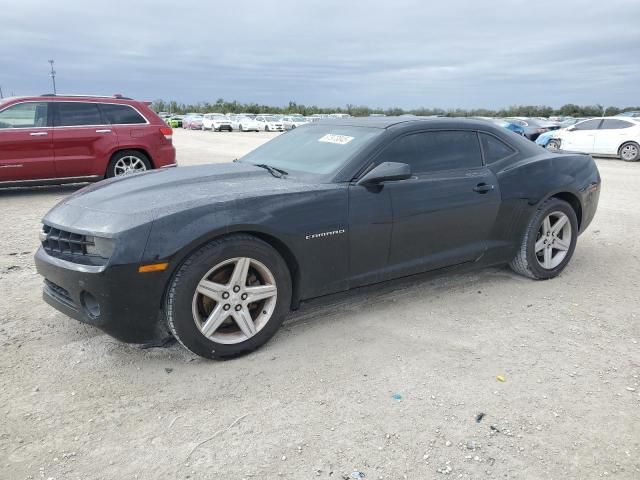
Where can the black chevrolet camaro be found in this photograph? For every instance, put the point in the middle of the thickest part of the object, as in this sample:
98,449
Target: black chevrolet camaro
218,255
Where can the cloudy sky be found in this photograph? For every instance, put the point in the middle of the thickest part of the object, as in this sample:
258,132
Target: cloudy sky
407,53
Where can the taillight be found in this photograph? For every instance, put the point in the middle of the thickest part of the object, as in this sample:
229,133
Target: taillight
167,132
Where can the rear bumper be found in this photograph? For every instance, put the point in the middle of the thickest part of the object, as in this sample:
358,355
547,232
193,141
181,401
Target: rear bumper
116,299
165,156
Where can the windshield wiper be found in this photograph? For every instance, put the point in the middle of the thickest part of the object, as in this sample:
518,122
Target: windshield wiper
276,172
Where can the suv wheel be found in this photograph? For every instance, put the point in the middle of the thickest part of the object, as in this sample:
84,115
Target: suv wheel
128,162
229,297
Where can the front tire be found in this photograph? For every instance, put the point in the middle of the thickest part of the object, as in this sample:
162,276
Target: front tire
553,145
630,152
548,242
229,297
127,162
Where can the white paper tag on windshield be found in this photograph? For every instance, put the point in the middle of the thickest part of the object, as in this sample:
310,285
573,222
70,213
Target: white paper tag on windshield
339,139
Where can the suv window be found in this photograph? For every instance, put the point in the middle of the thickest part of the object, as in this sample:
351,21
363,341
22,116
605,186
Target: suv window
434,151
494,149
121,114
74,114
614,124
24,115
588,125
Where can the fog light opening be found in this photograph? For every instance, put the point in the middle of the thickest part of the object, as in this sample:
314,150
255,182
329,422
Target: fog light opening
90,304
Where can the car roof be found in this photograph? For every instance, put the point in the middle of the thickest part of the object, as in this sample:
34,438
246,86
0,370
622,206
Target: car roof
69,97
388,122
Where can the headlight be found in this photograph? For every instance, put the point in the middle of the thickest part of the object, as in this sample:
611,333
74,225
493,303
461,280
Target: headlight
102,247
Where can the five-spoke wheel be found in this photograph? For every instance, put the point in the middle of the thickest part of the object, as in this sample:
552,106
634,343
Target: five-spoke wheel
548,242
229,297
234,300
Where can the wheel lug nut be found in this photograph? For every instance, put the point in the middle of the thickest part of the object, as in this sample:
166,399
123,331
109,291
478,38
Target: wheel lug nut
238,308
225,295
227,306
244,296
236,288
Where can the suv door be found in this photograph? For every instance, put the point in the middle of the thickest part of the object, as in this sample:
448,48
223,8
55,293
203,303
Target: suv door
26,147
444,214
83,140
611,134
581,137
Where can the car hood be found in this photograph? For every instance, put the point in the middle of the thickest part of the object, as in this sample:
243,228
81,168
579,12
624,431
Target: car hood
124,202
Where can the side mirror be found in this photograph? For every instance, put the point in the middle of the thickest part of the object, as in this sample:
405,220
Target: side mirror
386,172
571,128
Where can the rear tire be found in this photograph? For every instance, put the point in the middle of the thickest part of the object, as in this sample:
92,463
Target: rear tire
630,152
208,304
127,162
548,242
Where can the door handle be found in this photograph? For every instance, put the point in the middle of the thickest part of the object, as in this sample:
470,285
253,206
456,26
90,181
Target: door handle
39,134
106,130
483,188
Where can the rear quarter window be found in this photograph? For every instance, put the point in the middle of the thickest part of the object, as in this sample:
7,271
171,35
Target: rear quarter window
494,149
121,114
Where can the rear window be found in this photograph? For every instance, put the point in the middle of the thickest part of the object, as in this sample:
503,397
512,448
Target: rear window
74,114
121,114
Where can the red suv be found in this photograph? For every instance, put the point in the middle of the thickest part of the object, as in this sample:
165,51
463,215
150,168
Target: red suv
68,138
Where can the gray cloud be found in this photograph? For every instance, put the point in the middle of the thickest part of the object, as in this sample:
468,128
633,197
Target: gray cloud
408,53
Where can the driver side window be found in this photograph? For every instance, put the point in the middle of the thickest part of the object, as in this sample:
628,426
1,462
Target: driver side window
588,125
24,115
435,151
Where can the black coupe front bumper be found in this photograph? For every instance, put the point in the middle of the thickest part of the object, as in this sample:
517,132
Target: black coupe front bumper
117,299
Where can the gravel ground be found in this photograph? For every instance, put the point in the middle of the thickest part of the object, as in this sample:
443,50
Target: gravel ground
394,382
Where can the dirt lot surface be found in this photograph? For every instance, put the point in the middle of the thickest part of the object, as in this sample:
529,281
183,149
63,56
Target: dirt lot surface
394,382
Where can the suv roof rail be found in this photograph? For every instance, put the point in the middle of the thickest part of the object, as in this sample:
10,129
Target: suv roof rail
117,95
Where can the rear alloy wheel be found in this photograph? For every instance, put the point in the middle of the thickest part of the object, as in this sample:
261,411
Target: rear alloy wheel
229,297
553,145
630,152
549,242
128,162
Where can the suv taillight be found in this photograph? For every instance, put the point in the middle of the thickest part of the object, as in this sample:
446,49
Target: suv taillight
167,132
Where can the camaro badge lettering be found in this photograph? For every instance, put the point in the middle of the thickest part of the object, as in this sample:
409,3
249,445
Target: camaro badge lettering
324,234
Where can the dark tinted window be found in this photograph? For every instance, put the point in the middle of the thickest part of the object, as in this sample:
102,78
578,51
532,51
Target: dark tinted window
494,149
72,114
588,125
614,124
433,151
121,114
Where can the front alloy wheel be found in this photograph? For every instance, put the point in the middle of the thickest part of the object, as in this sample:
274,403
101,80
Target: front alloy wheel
229,297
234,300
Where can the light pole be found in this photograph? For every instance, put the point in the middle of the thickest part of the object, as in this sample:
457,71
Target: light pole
53,76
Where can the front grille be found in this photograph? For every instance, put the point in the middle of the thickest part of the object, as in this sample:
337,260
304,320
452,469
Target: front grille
55,240
59,293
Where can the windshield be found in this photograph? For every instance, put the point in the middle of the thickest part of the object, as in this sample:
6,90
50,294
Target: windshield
315,149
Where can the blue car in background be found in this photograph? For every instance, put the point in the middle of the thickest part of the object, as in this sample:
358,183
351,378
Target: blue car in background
509,126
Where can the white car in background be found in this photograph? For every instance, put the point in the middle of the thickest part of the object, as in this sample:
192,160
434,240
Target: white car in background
293,121
605,136
269,123
245,124
216,122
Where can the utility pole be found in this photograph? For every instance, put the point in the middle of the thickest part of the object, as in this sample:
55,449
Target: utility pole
53,76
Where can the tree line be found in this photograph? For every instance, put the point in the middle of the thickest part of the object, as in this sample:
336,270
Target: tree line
223,106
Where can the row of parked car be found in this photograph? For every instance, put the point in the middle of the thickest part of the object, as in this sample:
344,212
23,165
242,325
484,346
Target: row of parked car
244,122
616,136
